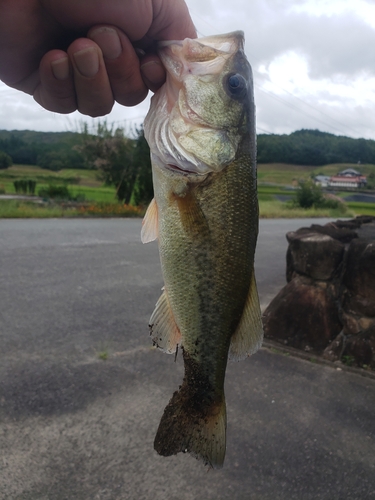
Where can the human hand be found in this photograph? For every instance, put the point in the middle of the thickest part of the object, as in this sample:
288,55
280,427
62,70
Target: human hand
75,54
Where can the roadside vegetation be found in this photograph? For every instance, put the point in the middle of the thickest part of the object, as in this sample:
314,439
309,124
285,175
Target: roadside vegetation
106,173
306,201
19,209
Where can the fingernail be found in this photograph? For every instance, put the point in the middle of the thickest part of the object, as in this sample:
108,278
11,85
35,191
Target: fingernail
153,71
60,68
87,61
109,41
140,52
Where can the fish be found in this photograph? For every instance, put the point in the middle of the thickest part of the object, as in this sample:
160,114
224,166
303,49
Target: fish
201,131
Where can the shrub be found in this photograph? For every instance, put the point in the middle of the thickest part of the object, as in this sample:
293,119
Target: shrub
55,192
310,195
31,185
25,186
20,186
5,160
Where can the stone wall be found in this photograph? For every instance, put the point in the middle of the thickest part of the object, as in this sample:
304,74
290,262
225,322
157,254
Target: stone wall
328,304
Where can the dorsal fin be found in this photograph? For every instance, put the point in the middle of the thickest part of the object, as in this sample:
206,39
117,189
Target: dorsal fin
248,337
150,224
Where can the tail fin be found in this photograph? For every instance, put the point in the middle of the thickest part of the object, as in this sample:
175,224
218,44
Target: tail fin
193,425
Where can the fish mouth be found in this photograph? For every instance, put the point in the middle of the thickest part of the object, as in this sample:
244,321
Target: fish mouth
168,163
182,171
192,56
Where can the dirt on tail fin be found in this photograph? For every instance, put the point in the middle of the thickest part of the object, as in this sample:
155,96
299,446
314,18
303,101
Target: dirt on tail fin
193,423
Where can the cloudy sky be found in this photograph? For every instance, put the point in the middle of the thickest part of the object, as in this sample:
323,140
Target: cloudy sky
313,64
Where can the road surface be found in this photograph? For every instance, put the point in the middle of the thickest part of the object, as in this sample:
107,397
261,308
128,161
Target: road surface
74,426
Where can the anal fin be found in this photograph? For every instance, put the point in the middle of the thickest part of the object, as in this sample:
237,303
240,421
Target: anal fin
248,337
163,329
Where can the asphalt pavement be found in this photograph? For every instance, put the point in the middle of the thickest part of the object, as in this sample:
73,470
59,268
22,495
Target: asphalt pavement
76,426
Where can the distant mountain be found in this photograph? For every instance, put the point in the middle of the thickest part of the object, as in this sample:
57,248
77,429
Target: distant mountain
31,136
312,147
37,148
303,147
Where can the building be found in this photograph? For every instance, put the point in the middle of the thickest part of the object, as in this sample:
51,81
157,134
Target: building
348,178
322,180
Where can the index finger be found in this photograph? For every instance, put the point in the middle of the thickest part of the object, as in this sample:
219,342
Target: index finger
122,64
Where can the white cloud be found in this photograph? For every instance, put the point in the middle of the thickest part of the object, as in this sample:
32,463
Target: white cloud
19,111
361,8
313,64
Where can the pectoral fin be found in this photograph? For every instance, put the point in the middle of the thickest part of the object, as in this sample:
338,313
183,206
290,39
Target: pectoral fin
150,224
248,337
163,329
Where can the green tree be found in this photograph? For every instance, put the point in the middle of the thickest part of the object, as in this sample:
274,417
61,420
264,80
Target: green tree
308,195
19,150
5,160
52,160
112,154
143,188
371,180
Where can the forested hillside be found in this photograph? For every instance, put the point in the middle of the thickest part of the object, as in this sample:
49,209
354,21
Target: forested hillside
52,150
312,147
56,150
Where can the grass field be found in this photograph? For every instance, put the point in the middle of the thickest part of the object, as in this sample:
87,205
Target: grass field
361,208
289,175
84,177
79,182
275,209
282,174
273,180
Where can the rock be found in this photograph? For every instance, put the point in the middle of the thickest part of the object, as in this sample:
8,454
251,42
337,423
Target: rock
328,303
350,324
366,323
365,219
314,255
334,350
346,224
359,278
343,234
367,231
302,315
360,349
340,233
289,265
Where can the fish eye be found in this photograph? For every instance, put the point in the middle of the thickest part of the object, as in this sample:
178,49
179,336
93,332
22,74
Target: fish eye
236,85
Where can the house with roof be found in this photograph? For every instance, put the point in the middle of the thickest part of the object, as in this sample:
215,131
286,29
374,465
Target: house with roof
322,180
348,178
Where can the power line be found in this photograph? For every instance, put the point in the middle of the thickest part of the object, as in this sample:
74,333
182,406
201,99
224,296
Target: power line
344,127
296,108
314,108
265,131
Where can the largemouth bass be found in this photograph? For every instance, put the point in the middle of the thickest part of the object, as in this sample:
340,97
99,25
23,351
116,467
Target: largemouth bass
201,132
